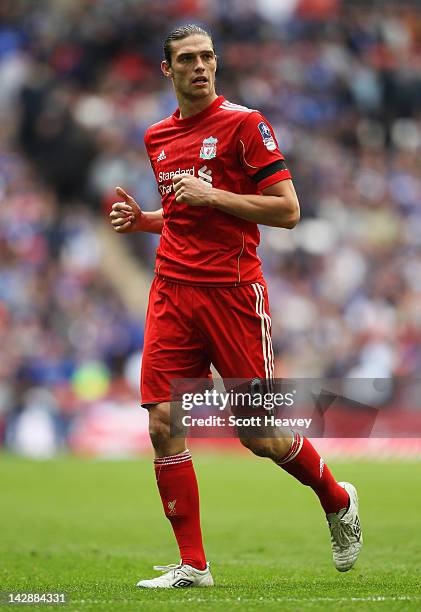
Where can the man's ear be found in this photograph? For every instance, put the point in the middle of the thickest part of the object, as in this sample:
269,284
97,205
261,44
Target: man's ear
166,69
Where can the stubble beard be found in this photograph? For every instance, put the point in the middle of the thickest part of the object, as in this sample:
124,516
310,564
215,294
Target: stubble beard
189,94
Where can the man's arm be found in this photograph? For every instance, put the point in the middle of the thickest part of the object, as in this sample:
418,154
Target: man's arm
278,205
127,216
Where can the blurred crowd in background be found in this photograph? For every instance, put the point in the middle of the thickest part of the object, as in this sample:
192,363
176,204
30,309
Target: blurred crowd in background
79,84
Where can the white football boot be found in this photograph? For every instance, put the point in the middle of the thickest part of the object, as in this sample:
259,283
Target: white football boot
345,531
178,577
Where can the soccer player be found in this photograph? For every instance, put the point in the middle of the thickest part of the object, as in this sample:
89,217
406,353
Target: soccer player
220,173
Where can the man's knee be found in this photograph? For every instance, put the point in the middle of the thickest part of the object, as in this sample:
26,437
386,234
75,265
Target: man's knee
159,425
159,434
166,438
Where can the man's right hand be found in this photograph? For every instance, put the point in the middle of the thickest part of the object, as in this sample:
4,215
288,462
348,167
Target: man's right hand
126,216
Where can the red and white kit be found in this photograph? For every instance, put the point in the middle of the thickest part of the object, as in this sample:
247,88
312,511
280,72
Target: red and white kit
208,302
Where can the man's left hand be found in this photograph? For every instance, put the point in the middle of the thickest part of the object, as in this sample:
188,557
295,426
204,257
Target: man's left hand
191,190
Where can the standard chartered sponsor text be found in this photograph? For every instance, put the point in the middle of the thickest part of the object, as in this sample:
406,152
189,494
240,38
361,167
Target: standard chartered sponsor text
167,176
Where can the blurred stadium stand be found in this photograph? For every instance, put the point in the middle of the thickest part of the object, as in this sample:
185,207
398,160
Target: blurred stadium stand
79,84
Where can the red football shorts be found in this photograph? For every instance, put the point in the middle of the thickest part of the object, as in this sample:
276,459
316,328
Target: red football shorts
190,327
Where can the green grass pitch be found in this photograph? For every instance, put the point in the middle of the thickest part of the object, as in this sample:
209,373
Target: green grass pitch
93,528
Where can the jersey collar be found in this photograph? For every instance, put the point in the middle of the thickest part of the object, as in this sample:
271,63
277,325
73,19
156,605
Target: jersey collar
199,116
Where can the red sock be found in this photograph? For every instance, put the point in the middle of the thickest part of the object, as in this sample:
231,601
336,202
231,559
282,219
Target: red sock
177,486
304,463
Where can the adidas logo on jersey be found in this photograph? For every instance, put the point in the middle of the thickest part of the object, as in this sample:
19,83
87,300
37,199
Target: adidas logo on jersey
161,156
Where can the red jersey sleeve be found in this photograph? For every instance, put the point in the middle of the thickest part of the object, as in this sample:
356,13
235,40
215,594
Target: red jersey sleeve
146,140
259,152
148,151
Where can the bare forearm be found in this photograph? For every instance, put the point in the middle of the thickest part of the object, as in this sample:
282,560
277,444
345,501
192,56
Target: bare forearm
151,222
271,210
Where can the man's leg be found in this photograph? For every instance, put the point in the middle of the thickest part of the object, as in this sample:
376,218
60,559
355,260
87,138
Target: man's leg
297,456
177,486
237,322
173,350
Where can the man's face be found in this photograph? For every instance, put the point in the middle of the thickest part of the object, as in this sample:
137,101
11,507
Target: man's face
193,66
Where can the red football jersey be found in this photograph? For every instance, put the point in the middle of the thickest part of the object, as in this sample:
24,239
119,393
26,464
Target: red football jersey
232,148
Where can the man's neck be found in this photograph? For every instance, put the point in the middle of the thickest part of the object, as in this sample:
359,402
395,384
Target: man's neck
189,107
